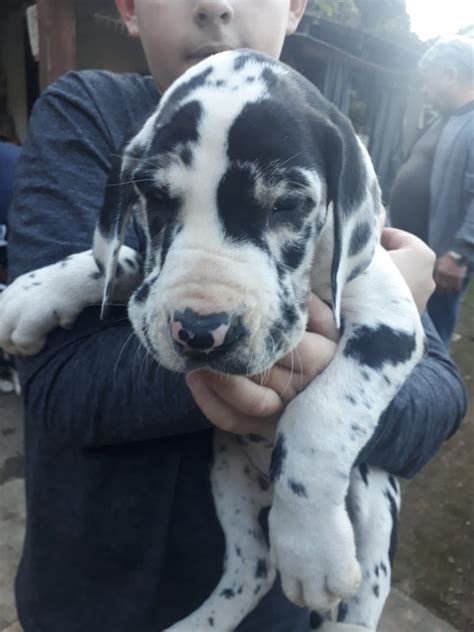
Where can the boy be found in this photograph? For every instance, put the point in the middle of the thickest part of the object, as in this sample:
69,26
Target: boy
121,532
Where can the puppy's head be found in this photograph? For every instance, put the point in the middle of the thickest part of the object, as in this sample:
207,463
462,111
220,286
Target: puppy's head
234,181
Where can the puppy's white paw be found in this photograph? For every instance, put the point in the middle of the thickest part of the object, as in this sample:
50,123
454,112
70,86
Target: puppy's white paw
315,553
39,301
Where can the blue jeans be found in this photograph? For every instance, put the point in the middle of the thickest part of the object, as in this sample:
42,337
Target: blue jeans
443,310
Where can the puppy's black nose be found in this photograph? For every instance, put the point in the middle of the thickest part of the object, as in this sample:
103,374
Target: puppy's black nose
200,332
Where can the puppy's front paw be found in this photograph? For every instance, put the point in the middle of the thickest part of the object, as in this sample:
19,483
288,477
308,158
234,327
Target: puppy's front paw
39,301
314,551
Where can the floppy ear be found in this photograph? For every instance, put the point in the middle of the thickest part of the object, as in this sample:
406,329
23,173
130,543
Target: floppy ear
354,193
119,200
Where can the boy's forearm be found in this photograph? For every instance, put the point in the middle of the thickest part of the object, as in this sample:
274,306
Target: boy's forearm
427,410
95,385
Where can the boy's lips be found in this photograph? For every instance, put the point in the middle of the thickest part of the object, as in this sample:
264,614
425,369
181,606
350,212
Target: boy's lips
209,49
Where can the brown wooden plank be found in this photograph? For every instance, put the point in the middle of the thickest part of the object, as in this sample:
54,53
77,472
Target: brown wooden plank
57,39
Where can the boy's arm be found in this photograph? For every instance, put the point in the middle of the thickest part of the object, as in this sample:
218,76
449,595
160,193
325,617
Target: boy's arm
427,410
93,384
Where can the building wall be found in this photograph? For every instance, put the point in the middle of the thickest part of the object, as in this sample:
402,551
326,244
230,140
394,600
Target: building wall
12,59
105,44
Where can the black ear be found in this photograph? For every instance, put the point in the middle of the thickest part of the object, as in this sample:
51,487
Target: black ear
119,199
354,194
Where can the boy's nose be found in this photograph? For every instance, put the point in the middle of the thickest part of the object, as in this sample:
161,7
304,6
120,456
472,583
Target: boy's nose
211,11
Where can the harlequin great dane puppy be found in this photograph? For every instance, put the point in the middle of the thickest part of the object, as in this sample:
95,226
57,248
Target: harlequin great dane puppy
250,190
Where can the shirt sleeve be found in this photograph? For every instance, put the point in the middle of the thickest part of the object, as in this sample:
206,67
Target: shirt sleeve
93,384
427,410
464,239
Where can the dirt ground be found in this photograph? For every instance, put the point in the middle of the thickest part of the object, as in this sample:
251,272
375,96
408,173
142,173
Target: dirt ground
435,558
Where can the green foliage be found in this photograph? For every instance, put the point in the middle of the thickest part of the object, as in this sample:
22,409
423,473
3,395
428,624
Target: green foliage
339,10
381,17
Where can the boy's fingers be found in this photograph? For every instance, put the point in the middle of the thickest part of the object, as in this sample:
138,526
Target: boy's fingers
321,319
396,239
310,357
227,400
292,374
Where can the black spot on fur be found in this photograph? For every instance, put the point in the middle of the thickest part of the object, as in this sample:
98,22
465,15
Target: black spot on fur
394,532
290,315
356,271
263,483
270,78
249,139
360,238
376,590
342,612
96,275
374,347
364,472
376,570
228,593
181,92
293,253
142,293
393,483
278,457
239,211
315,620
243,59
186,155
166,242
238,550
384,568
350,399
211,622
182,128
261,570
297,488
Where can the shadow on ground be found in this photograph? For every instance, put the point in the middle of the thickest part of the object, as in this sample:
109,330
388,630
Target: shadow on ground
434,563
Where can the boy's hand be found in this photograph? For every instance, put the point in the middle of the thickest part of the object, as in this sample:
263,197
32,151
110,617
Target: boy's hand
250,405
415,260
449,275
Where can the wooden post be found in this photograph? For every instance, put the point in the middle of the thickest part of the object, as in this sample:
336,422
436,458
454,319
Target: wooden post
57,39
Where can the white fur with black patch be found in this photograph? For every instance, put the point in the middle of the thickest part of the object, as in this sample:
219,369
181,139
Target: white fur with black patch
242,127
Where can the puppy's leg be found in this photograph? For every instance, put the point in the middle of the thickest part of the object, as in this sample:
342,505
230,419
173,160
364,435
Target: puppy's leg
240,493
374,505
55,295
323,430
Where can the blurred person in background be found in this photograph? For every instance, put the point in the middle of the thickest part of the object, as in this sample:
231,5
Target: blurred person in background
433,195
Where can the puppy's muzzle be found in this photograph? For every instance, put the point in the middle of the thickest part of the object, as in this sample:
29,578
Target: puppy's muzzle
195,334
